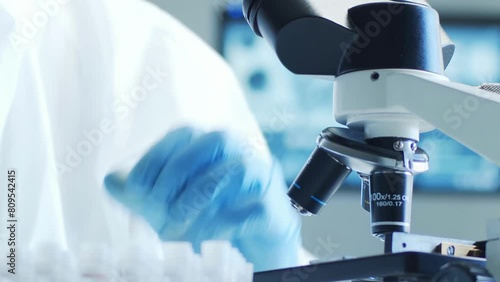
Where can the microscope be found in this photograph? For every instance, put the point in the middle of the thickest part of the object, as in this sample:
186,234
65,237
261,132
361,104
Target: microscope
387,60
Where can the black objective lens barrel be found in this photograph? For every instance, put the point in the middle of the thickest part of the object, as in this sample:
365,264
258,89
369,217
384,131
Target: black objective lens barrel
316,183
390,203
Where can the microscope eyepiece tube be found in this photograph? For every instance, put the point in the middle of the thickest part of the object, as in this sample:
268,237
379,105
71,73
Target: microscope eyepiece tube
390,202
316,183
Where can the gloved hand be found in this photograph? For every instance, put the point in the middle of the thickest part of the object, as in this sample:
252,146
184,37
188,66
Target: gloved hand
213,187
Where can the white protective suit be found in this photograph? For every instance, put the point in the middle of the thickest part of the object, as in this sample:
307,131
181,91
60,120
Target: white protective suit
87,86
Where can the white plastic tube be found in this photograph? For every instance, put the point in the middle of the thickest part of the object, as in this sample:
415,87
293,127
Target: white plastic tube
217,260
53,264
180,262
140,264
97,263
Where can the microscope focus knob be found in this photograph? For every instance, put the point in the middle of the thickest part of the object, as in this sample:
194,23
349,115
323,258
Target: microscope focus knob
461,272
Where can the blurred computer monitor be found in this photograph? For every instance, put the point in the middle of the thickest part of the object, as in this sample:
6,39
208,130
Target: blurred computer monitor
292,109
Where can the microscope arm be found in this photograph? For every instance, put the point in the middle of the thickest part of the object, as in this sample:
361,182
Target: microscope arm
467,114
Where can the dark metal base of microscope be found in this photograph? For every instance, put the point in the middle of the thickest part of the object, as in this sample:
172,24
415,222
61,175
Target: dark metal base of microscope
411,266
408,257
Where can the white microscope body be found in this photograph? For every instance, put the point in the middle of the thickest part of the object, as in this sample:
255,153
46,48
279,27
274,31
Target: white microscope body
405,103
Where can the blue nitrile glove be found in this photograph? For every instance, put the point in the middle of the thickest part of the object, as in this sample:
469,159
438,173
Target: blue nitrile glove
214,187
